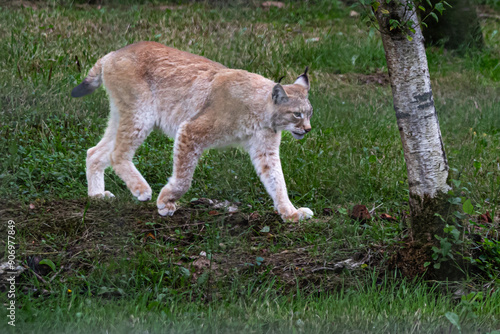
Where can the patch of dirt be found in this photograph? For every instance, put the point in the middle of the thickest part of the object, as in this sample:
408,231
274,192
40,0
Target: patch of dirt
77,234
24,4
378,78
100,228
409,260
297,266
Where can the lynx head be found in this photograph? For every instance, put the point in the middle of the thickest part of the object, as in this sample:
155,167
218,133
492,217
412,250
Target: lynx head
292,109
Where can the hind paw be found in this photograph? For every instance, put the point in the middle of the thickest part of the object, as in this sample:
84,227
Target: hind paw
304,214
106,194
166,209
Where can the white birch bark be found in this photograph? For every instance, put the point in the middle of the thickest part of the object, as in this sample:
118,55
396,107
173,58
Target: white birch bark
418,124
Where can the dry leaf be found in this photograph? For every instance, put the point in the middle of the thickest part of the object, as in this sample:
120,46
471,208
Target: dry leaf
385,216
485,218
254,216
360,212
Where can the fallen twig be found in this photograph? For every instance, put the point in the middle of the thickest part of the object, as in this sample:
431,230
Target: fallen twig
40,278
324,269
62,267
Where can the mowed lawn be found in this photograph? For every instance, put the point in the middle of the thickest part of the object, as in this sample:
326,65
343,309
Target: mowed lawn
117,267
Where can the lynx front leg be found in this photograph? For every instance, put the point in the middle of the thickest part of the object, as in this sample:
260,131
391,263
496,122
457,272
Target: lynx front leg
264,152
187,151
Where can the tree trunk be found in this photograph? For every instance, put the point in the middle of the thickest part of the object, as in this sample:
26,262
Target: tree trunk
426,162
457,29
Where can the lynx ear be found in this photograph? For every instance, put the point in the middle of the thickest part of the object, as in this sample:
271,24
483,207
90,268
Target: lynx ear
279,94
303,80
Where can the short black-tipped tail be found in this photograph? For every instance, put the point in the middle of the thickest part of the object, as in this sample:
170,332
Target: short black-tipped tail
91,82
85,88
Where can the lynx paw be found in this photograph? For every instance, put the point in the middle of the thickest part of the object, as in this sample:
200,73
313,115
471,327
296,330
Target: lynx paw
142,192
304,213
106,194
166,209
299,215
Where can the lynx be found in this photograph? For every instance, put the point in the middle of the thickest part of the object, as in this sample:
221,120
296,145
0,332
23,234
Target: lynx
201,104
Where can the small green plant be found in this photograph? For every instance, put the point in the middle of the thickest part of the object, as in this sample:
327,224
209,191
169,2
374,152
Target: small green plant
447,243
489,257
452,236
480,250
407,26
466,310
48,263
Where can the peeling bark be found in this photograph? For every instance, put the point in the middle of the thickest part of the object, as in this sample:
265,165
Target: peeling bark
426,162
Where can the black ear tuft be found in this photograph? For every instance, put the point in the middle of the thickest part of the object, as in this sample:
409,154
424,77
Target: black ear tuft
279,80
279,95
303,80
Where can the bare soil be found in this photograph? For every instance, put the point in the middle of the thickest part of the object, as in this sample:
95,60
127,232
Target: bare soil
82,233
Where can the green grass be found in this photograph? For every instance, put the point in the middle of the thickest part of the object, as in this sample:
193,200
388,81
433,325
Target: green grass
124,281
378,308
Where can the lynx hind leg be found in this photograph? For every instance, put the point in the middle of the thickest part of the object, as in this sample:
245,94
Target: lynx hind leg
98,159
130,135
187,151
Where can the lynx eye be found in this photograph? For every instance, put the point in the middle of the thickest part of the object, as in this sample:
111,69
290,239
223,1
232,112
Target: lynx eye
297,114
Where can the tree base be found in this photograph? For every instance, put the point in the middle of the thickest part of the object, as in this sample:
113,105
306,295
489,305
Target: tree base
411,258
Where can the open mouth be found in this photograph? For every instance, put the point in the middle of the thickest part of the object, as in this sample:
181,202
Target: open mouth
297,135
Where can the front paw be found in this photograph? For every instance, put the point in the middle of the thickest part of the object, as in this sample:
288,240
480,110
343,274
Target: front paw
299,215
166,208
304,214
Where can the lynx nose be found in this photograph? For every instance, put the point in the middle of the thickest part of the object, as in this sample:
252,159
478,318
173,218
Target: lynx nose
307,129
